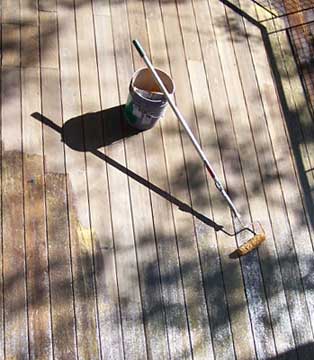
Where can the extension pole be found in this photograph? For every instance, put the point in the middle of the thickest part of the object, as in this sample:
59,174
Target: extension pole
187,129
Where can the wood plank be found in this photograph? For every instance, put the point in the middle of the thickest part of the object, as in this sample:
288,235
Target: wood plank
99,200
60,267
29,34
35,224
129,284
101,8
148,261
47,5
178,331
29,46
254,183
219,316
2,331
178,162
59,252
38,295
29,13
283,334
171,281
211,262
191,84
10,12
10,45
109,307
48,40
80,230
14,272
294,291
227,150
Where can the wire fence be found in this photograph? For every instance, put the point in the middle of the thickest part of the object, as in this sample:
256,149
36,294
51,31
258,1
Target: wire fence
285,7
302,43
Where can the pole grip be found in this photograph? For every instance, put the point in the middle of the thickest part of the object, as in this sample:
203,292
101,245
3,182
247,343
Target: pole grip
139,48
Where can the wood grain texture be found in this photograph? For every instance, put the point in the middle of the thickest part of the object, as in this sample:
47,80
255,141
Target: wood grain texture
296,297
210,243
2,331
109,305
274,283
129,283
120,243
60,267
14,267
35,224
48,40
29,46
99,198
47,5
10,45
240,320
179,165
171,279
236,66
80,230
10,12
148,262
29,13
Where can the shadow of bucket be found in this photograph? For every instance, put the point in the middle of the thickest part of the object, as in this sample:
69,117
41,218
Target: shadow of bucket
146,103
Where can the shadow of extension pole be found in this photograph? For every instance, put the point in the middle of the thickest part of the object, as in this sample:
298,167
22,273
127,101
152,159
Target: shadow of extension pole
72,135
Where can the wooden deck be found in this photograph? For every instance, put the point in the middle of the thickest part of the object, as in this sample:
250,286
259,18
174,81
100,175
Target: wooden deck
111,245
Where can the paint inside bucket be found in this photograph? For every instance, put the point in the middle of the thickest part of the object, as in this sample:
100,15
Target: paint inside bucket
146,103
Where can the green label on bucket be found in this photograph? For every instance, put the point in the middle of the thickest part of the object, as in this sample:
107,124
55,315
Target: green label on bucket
129,112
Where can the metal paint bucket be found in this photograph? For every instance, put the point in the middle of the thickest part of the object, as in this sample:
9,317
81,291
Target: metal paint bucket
145,103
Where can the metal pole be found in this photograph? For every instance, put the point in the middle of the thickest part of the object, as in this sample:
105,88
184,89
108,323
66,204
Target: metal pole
186,127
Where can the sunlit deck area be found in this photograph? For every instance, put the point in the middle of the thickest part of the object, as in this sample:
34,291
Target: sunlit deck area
115,243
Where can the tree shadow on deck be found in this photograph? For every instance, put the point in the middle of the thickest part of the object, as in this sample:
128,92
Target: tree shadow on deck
212,279
83,134
300,134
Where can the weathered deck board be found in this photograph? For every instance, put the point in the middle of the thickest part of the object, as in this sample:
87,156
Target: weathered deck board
47,5
48,40
111,239
272,277
89,94
171,280
301,235
206,105
13,246
11,45
38,295
80,231
240,320
38,292
179,170
284,250
10,12
107,286
134,337
2,331
240,77
147,255
60,267
300,247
